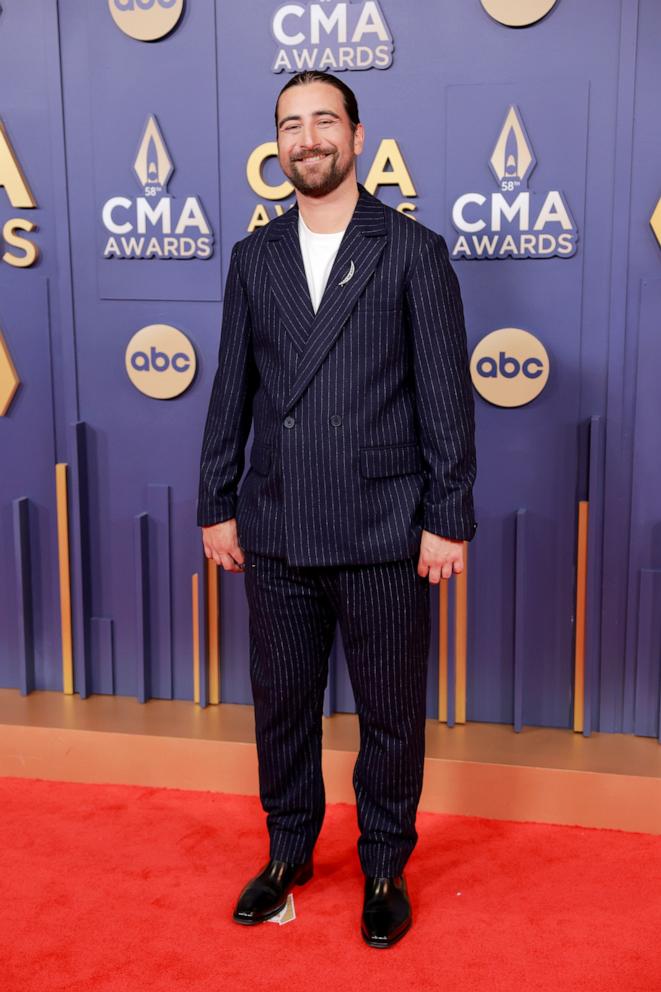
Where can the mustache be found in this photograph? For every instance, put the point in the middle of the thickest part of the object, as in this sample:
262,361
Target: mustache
312,154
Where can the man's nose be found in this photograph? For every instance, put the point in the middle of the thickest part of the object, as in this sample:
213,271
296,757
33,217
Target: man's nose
309,138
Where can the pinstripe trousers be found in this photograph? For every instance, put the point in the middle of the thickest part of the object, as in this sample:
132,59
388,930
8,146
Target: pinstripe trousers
383,610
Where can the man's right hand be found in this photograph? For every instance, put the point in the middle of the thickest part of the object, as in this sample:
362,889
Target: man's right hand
221,543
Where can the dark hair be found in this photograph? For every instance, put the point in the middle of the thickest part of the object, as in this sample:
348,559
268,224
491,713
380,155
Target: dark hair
317,76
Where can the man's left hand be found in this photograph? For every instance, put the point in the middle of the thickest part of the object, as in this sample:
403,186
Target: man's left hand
439,557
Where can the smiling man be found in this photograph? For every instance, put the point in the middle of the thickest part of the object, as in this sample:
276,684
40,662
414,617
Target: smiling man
343,342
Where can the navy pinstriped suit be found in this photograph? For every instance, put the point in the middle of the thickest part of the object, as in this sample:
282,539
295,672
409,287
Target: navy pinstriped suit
363,435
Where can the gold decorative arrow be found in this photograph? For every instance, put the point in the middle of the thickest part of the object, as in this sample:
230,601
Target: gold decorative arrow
8,377
655,221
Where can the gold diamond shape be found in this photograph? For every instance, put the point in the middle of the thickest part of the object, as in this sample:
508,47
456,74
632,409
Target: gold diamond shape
8,377
655,221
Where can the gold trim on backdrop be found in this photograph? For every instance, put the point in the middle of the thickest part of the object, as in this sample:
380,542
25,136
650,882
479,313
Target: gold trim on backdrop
15,181
213,609
9,380
196,638
460,639
64,569
581,597
443,651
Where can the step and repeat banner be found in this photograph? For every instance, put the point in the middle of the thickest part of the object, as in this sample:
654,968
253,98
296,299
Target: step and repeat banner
137,145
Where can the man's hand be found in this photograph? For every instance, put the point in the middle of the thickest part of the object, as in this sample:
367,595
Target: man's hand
222,544
439,557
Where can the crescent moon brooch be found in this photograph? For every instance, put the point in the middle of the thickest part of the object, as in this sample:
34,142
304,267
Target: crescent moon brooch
348,276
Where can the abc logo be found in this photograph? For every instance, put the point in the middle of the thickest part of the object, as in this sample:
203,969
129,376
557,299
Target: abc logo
142,4
160,361
509,367
518,14
146,20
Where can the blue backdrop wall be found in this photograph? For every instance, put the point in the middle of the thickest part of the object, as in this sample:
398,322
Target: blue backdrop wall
137,145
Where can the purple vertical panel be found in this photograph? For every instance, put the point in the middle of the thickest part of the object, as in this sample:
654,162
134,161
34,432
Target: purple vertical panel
142,654
160,595
35,319
527,455
593,576
648,656
174,79
520,604
490,676
27,467
102,676
24,610
82,568
203,594
234,647
111,84
645,546
630,516
584,432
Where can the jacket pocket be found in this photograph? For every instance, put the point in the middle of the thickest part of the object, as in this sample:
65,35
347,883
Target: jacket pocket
260,457
391,459
375,307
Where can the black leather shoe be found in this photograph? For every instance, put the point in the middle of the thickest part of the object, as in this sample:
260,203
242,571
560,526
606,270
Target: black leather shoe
386,911
266,894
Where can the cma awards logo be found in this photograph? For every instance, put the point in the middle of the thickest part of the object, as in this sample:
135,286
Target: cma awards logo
152,226
513,222
146,20
15,249
331,36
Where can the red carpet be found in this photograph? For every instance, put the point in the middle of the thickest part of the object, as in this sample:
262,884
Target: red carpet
124,889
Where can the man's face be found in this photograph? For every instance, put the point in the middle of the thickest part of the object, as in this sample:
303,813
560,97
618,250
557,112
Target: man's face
316,147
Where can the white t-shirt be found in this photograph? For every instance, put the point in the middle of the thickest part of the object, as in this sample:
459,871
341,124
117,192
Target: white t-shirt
319,251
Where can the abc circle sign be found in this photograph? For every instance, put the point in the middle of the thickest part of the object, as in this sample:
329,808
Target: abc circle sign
160,361
509,367
146,20
518,13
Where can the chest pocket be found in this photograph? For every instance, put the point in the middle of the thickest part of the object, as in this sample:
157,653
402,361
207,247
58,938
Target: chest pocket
379,296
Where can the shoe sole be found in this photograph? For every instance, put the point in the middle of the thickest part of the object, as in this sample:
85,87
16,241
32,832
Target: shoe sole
385,943
245,921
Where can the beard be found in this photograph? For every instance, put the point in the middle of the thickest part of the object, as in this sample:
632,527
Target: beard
320,180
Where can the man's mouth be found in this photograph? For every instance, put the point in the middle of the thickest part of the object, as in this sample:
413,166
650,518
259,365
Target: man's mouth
314,158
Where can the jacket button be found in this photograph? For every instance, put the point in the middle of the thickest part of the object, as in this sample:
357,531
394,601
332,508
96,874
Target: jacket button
289,421
336,420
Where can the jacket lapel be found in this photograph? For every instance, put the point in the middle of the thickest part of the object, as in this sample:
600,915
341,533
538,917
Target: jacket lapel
288,280
313,335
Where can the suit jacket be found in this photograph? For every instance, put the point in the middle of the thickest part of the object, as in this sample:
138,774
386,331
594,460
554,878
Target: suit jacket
363,413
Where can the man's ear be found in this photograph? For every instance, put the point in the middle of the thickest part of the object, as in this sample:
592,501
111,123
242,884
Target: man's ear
358,139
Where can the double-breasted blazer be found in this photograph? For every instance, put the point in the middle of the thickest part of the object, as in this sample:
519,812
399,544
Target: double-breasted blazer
362,414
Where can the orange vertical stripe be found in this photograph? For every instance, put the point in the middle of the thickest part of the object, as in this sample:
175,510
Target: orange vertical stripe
461,638
64,568
443,651
581,598
213,607
196,639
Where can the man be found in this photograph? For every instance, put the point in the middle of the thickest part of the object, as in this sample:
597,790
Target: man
343,340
